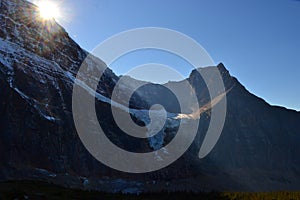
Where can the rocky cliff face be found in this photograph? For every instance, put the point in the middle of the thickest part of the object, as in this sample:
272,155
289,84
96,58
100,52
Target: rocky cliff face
258,148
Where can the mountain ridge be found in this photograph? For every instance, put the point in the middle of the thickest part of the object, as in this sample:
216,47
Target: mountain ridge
257,150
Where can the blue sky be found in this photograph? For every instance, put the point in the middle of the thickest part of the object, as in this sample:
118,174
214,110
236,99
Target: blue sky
258,41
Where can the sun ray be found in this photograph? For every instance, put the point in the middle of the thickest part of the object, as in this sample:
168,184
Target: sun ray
48,10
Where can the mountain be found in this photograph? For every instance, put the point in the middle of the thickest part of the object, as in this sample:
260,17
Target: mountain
257,151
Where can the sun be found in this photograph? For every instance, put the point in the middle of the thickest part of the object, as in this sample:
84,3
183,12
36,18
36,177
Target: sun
48,10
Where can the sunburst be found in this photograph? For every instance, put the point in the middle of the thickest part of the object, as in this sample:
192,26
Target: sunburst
48,10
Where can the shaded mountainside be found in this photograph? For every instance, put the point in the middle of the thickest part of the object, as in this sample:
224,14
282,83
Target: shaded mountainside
258,149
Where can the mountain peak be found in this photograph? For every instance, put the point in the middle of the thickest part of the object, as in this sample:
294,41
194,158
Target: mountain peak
228,80
21,24
222,68
257,150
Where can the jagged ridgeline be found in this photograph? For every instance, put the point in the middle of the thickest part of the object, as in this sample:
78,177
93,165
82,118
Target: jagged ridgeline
257,151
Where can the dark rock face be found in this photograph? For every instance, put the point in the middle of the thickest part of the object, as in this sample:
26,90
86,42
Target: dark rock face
258,148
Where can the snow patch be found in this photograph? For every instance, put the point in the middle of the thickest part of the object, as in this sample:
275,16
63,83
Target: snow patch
45,172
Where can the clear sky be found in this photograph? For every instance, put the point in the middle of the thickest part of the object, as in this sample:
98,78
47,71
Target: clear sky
258,41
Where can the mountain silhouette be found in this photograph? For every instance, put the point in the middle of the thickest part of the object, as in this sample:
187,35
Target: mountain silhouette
258,149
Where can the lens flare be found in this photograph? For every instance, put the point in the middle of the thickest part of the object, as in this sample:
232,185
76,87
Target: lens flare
48,10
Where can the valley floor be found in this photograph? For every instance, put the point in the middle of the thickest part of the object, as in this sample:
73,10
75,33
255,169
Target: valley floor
41,190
